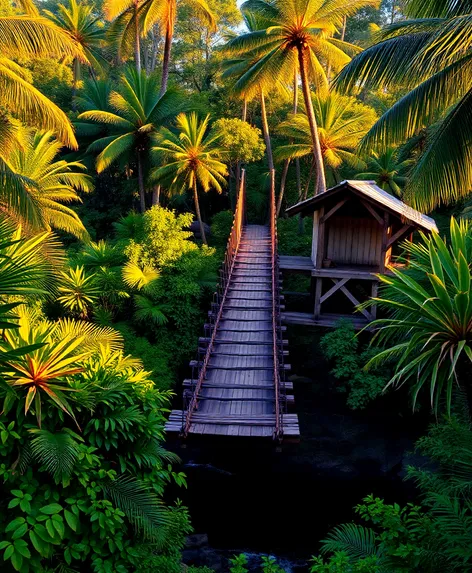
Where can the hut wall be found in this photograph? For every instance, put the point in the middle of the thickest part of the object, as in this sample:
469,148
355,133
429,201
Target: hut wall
354,240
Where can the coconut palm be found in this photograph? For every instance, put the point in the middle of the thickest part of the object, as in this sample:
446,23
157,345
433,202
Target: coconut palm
387,170
238,66
428,334
86,29
137,112
298,32
342,122
44,185
429,53
30,36
193,159
135,18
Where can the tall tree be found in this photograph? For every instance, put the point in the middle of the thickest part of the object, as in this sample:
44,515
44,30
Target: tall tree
136,18
431,54
79,20
192,160
298,32
342,122
138,111
164,13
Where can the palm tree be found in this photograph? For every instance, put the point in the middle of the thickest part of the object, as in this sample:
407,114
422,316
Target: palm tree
429,332
430,54
138,111
387,170
44,184
299,32
31,36
87,30
238,66
342,122
194,159
135,18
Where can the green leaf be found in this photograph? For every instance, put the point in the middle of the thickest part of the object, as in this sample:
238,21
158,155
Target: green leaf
14,502
51,509
72,520
59,527
50,528
8,552
17,561
38,544
20,531
22,550
42,533
15,524
4,544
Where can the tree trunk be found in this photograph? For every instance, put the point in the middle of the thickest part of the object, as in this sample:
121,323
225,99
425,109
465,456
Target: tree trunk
265,131
317,155
283,181
238,164
137,39
244,114
142,201
287,161
156,195
197,210
166,61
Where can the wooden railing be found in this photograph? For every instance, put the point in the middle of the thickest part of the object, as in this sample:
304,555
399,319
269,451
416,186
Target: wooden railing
219,297
277,342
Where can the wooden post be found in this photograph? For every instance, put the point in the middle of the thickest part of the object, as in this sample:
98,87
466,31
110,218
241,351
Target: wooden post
318,290
314,240
383,252
320,251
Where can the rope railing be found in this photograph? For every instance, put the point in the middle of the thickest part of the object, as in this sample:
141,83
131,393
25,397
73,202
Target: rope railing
277,342
219,299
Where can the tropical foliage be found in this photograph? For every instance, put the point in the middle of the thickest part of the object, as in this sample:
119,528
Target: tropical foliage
428,331
428,53
83,470
43,183
136,112
192,160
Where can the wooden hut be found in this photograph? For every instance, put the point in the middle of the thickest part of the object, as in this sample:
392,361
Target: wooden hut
356,230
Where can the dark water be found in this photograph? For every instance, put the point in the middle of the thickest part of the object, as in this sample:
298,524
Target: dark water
248,497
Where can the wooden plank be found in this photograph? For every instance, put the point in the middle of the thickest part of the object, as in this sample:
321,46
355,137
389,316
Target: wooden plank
318,290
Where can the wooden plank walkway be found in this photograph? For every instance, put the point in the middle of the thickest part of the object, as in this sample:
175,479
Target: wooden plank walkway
237,396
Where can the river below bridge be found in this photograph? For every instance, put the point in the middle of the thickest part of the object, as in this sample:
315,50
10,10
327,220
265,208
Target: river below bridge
245,496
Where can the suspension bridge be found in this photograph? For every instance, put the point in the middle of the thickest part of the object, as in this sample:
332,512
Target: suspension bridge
238,385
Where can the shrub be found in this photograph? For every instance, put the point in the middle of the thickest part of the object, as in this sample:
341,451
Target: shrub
221,227
158,237
343,348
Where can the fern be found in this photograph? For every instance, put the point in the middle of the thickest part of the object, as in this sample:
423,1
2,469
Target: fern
143,508
58,452
355,540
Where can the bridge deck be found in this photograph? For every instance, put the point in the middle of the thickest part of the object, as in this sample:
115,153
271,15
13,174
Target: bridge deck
237,397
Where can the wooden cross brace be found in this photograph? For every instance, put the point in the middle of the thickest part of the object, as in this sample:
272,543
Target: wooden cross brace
340,284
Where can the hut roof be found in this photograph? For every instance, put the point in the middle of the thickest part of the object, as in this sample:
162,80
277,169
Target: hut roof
370,191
